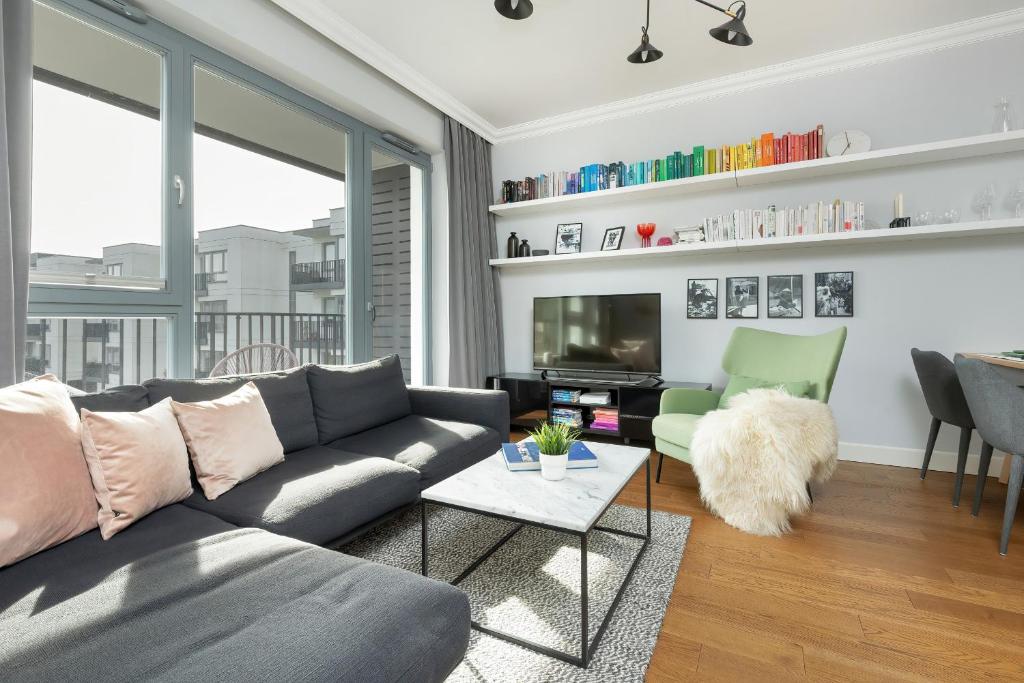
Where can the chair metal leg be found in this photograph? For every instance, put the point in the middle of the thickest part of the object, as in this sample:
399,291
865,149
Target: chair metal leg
661,459
1012,496
979,486
933,434
961,464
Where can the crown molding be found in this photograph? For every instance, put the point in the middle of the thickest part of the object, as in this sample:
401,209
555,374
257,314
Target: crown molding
331,25
328,23
908,45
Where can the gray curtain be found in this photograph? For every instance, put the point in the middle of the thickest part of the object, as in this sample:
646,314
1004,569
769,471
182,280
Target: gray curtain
475,343
15,182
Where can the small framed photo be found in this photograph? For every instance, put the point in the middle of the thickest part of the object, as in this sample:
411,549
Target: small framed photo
702,299
785,296
613,238
741,297
568,238
833,294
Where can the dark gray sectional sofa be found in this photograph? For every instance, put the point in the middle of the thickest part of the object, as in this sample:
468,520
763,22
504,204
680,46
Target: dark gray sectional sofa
238,588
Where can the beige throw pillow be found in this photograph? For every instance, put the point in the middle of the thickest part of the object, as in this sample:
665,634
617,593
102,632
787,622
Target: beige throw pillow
230,438
46,496
138,463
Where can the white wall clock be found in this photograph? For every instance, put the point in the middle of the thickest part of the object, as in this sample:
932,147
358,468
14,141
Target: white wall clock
848,142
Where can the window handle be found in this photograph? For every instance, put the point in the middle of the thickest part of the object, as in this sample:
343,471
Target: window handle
372,310
179,185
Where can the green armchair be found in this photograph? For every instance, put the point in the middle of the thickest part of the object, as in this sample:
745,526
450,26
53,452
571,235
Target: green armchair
804,366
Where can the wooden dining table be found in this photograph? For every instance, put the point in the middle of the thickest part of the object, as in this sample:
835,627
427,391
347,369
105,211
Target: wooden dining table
1006,362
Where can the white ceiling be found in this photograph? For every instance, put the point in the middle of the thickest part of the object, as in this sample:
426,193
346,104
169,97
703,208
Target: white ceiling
570,54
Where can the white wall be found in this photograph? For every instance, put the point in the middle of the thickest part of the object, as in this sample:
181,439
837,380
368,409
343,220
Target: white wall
948,295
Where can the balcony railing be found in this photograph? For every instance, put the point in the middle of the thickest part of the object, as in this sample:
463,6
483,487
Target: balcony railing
312,337
318,274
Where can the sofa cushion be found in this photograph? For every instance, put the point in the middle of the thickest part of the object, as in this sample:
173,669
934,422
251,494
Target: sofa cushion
677,428
316,495
739,384
184,596
137,461
349,399
437,449
46,494
130,398
285,394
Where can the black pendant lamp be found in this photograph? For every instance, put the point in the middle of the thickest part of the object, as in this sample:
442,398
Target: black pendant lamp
646,52
514,9
733,32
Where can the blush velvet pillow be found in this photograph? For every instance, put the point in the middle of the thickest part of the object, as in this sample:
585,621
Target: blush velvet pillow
230,438
138,463
46,496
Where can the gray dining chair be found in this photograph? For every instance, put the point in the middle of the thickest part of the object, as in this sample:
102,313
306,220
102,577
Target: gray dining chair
997,403
945,399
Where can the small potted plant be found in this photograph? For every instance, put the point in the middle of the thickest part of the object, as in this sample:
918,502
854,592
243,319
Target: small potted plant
553,442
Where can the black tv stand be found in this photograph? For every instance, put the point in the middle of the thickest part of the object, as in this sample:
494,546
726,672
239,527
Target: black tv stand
637,402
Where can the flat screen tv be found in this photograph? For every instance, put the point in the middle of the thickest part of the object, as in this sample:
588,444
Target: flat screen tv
617,333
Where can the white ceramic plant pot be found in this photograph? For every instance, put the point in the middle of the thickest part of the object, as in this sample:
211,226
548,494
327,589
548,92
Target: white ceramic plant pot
552,467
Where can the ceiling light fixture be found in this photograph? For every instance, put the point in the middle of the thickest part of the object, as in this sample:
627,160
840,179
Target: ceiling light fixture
732,32
514,9
646,52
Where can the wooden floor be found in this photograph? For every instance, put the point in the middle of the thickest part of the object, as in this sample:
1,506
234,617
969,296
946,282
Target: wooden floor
883,580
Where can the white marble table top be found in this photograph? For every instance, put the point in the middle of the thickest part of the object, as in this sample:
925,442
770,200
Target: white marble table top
574,503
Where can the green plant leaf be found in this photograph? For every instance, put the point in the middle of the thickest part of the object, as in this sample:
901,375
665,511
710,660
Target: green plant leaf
554,439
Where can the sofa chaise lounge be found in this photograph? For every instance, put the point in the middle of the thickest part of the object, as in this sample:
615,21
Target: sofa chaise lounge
238,588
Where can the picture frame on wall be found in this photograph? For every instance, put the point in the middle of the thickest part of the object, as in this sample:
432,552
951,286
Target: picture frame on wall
569,238
741,297
702,299
613,238
833,294
785,296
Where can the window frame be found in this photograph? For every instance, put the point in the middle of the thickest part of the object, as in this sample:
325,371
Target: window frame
176,302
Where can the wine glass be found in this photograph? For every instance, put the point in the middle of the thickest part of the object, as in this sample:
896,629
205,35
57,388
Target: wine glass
982,202
924,218
1015,200
1002,122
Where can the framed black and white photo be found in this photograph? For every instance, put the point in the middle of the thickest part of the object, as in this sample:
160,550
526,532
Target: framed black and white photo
568,238
833,294
785,296
741,297
613,238
702,299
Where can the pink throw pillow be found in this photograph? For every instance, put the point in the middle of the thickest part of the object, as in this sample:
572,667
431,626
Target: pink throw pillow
138,462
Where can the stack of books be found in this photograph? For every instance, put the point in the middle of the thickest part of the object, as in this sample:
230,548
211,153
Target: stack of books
690,235
768,149
525,456
606,418
567,416
596,398
566,395
807,219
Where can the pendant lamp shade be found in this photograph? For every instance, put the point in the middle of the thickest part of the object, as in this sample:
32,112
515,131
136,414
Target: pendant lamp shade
646,53
514,9
733,32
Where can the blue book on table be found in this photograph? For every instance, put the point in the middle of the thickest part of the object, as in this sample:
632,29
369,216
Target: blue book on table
525,456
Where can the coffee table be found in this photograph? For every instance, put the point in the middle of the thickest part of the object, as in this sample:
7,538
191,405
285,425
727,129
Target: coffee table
572,506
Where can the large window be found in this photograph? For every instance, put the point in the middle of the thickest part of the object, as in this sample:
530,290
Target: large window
194,206
97,155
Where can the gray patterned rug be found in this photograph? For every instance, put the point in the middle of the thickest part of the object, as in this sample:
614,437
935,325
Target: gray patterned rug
531,588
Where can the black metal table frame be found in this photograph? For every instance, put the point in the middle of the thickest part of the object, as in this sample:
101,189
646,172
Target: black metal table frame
586,648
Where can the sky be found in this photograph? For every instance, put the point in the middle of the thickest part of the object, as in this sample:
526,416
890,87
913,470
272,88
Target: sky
96,180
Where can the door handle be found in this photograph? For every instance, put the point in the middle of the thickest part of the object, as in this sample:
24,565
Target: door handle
179,185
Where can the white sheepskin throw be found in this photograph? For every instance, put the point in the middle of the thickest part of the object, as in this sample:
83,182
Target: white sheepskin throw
753,459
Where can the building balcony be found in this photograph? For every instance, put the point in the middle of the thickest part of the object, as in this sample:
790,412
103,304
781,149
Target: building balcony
317,275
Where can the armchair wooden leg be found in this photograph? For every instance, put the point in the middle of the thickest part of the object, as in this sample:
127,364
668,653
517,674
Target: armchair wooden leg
1012,496
933,433
661,459
809,494
979,486
961,464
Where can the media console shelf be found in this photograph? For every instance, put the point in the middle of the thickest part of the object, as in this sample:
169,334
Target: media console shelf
530,402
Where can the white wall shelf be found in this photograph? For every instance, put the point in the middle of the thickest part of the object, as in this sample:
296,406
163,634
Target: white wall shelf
892,157
1009,226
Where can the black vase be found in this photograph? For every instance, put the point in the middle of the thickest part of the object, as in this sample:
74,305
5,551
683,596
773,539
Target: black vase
513,246
524,248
